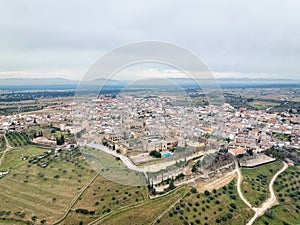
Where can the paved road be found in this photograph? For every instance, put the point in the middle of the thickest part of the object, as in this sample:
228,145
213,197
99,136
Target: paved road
272,200
128,163
149,168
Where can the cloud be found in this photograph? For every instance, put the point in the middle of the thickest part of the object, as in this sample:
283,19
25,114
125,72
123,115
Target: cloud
240,37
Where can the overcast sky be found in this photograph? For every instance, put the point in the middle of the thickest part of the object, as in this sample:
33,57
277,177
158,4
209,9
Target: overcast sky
234,38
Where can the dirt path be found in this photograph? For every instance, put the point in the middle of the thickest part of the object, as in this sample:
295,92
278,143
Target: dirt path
74,201
272,200
8,147
217,183
168,209
239,189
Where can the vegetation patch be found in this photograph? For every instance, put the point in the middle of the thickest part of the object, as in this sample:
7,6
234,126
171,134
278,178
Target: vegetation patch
103,197
287,188
145,213
13,157
17,139
222,206
256,181
2,144
263,104
41,195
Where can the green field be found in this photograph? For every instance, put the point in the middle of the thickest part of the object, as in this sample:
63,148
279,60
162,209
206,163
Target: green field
48,131
113,203
12,156
263,104
287,187
111,168
221,206
32,193
256,180
42,195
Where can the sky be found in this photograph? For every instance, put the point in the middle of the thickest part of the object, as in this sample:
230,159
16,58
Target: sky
250,38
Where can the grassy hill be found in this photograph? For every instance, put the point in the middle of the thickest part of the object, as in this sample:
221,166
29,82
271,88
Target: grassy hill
221,206
287,188
256,181
41,195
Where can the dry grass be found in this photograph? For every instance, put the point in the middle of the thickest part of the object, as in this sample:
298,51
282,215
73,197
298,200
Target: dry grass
145,213
199,208
216,183
23,190
103,195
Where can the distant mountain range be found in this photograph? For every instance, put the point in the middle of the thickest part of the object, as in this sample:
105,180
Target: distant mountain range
55,81
43,83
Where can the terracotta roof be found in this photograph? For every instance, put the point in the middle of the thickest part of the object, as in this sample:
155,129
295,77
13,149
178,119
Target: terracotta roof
238,151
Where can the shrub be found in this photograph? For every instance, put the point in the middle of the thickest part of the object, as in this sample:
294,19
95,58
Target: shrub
232,205
194,190
155,154
224,218
269,213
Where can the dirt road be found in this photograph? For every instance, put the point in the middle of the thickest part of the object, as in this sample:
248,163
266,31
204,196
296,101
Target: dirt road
271,201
